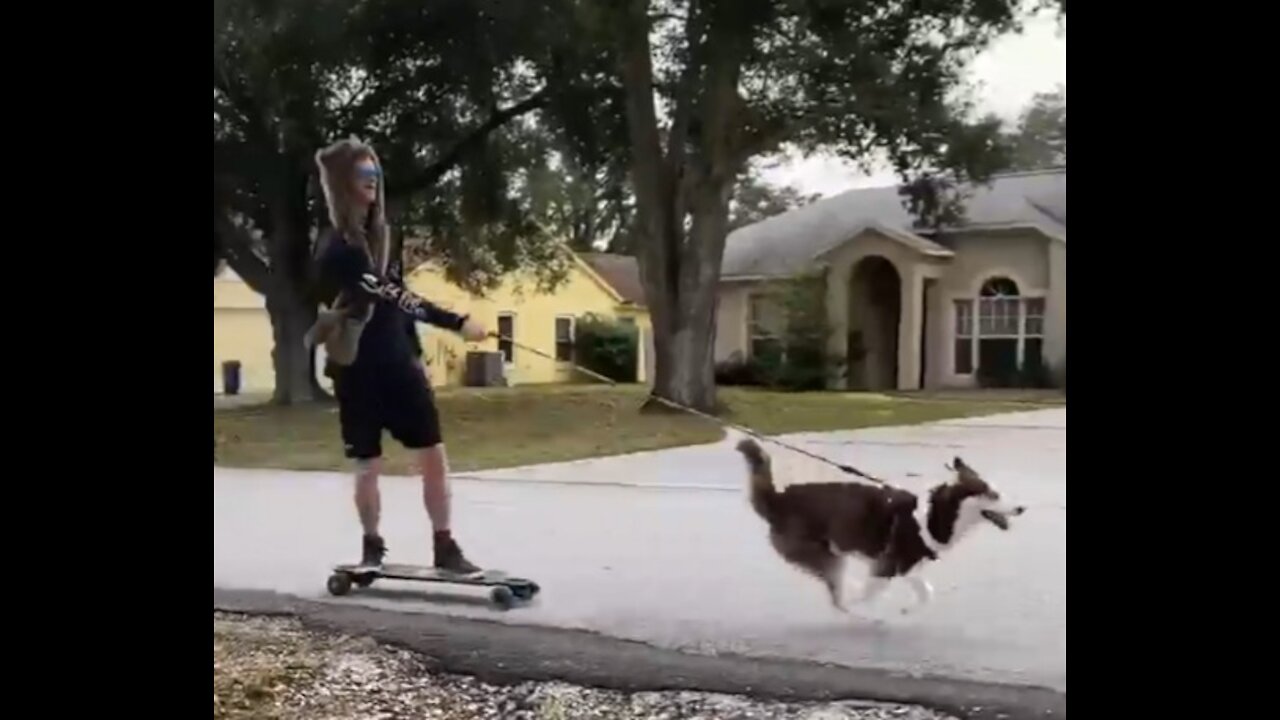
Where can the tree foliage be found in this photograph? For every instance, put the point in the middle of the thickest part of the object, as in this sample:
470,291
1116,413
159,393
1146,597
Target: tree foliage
1040,139
755,199
435,87
588,206
439,89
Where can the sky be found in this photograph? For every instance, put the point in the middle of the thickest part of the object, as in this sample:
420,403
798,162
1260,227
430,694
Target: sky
1008,74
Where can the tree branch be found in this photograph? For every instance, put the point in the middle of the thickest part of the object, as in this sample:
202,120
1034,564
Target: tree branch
376,101
761,140
651,182
695,26
431,174
237,247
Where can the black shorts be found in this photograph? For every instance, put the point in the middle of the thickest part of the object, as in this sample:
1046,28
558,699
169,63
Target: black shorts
397,400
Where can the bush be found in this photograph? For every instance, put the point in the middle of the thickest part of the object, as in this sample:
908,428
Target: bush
607,347
992,377
798,360
1032,374
1035,374
770,371
805,369
739,372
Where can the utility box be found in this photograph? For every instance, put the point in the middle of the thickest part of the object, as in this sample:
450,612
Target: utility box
484,369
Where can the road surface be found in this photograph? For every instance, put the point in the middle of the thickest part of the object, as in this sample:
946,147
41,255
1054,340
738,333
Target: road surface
662,548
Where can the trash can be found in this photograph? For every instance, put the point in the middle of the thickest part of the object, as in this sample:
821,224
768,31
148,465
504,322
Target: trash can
231,377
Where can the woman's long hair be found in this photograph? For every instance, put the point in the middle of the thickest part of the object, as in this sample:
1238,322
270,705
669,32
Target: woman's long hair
337,165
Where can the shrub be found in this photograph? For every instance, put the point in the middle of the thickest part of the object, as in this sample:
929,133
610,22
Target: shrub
607,347
798,360
1035,373
805,364
739,372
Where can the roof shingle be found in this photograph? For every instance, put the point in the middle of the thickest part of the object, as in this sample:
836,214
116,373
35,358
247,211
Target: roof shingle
622,272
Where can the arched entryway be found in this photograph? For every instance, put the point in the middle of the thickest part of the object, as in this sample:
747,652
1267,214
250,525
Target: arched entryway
875,312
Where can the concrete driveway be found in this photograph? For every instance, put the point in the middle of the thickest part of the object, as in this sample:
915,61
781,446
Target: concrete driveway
662,548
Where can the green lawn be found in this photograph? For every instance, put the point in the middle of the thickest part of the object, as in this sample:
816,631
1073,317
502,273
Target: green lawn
519,426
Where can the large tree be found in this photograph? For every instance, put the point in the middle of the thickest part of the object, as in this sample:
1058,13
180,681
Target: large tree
755,199
592,209
589,207
710,84
1040,139
434,86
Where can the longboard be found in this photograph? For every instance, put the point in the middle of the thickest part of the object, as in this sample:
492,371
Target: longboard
506,589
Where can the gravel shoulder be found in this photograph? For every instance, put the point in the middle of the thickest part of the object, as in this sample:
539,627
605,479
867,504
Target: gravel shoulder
293,653
268,668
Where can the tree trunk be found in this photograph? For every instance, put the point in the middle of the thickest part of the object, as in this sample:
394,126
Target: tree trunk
292,314
291,306
679,261
685,337
685,360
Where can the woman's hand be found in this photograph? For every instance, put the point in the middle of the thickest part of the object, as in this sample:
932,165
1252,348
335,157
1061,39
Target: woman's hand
473,331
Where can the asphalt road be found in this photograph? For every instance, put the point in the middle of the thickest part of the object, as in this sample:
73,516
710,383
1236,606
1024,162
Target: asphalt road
661,548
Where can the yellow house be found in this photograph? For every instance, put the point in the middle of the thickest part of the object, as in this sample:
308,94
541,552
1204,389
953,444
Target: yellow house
601,284
241,332
544,322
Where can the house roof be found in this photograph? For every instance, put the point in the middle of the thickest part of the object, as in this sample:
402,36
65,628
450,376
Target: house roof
792,242
621,272
912,241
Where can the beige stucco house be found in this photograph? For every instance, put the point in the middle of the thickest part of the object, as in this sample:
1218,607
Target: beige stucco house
911,309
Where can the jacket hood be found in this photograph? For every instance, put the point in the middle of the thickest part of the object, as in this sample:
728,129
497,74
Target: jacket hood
337,164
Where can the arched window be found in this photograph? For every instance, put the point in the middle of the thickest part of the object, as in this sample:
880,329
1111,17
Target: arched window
998,308
999,287
1003,335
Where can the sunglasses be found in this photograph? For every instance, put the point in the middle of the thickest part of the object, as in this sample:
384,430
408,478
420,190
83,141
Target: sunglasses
368,172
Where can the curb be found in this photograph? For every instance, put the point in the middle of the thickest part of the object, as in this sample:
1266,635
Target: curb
501,653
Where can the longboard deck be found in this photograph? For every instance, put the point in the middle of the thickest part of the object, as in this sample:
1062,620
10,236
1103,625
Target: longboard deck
429,574
506,589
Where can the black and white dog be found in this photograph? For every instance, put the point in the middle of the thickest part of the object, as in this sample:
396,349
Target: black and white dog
817,526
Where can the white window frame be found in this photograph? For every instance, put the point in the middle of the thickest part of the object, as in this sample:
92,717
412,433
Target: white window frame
512,336
1022,333
555,336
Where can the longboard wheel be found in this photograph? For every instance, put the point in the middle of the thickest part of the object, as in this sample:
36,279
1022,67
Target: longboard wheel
502,597
525,592
339,584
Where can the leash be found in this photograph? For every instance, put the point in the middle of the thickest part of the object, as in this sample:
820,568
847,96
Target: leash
847,469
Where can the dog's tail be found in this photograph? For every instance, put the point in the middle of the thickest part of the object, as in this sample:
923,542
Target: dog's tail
764,495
